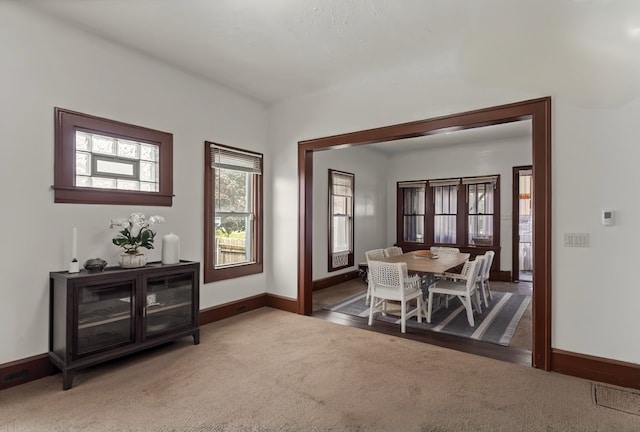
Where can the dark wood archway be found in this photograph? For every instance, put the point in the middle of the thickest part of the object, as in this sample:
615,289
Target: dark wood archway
538,111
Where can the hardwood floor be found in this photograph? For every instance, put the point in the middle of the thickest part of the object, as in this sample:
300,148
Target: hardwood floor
518,353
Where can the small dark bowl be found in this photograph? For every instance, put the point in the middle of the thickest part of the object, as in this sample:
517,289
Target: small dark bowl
95,265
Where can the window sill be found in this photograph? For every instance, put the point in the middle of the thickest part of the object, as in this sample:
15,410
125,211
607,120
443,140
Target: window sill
75,195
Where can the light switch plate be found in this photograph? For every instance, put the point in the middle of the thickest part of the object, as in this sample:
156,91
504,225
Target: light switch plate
576,239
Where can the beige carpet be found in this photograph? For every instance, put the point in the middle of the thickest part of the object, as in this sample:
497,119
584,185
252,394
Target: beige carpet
269,370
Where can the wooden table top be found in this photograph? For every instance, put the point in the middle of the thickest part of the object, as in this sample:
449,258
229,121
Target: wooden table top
429,265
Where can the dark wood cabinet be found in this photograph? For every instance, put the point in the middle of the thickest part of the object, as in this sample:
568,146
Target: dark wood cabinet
95,317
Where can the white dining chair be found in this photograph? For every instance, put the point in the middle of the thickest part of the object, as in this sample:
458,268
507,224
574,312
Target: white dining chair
371,255
390,281
483,279
393,251
465,289
443,250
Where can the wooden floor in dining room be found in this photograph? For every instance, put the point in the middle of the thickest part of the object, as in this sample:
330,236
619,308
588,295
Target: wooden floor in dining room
518,352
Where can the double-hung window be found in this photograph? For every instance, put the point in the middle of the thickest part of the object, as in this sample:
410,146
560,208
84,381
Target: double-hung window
445,210
233,212
341,186
480,210
412,205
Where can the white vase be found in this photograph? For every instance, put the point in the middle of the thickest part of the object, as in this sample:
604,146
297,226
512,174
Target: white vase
132,260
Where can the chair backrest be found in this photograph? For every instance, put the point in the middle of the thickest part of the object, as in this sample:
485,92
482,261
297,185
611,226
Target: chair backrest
465,269
374,254
441,250
475,267
488,257
387,275
393,251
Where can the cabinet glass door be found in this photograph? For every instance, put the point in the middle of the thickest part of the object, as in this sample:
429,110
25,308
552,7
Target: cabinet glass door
105,317
169,303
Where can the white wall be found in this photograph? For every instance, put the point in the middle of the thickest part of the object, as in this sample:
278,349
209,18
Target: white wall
464,160
370,203
46,64
595,299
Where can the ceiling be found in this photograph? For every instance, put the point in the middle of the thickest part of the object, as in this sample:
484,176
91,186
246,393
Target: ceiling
272,50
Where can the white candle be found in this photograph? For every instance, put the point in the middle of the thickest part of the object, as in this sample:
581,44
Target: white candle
74,244
170,249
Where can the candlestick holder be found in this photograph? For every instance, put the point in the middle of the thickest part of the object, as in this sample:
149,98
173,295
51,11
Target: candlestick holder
74,266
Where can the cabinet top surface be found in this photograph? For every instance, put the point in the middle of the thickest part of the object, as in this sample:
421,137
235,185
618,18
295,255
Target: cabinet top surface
115,270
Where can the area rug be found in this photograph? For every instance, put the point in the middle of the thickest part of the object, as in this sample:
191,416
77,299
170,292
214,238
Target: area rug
496,324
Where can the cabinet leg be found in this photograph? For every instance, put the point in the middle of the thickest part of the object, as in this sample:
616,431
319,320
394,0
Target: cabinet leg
67,379
196,337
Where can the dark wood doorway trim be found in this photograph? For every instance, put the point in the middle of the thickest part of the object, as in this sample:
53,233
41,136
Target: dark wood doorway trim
536,110
515,237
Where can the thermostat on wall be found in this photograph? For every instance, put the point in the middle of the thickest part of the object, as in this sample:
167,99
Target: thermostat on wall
607,217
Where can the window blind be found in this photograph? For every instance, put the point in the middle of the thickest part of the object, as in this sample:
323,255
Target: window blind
445,182
222,157
413,184
480,180
342,183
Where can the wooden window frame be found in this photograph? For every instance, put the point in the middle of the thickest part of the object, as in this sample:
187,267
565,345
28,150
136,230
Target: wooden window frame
401,207
65,191
211,273
462,218
496,190
350,257
430,218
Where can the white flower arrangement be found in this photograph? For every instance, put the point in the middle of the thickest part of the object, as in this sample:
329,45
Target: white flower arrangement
135,232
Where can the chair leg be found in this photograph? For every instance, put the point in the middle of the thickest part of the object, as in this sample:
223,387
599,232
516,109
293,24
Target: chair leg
367,299
371,302
488,289
466,301
477,301
484,294
403,316
429,306
419,308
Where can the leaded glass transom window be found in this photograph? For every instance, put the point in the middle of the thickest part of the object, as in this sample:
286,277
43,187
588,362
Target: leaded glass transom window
113,163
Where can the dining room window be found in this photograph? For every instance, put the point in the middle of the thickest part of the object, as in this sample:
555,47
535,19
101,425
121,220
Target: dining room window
412,206
445,210
480,210
341,221
460,212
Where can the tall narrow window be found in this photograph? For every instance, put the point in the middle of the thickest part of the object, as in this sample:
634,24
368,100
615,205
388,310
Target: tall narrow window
341,195
445,212
412,195
233,212
480,210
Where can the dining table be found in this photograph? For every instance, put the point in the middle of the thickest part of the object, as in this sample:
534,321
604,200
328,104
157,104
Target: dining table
429,266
